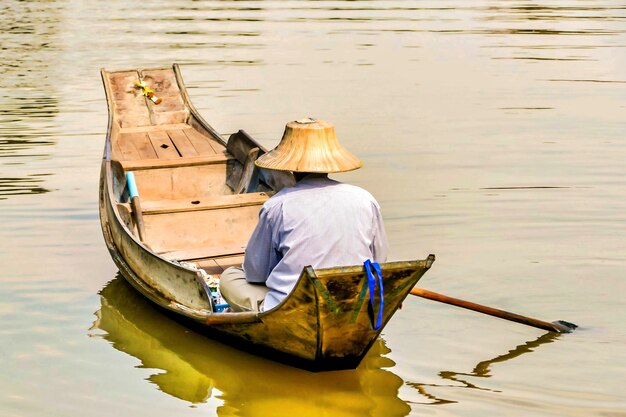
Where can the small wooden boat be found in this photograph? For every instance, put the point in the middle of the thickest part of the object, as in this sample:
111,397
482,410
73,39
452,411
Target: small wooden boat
198,202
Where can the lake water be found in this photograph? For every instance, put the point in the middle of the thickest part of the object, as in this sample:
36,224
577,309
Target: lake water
494,135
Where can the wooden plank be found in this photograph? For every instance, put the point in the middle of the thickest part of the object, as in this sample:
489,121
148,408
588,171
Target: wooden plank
170,104
229,261
192,182
174,163
216,266
127,148
122,85
200,253
163,145
116,152
129,104
204,203
165,86
218,147
170,116
184,146
210,266
205,129
172,107
172,126
142,144
203,144
213,229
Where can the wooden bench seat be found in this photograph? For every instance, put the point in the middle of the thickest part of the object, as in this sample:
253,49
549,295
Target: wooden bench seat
154,128
204,203
214,226
204,252
215,266
155,163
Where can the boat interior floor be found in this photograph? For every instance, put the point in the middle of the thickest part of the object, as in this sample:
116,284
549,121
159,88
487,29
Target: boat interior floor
199,194
187,192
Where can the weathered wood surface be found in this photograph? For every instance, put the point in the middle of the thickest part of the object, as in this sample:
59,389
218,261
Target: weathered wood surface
324,321
559,326
172,143
167,281
203,252
187,230
186,162
152,128
240,144
135,203
249,179
129,105
188,180
208,203
172,109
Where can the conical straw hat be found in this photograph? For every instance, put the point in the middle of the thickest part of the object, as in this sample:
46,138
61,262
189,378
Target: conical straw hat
309,145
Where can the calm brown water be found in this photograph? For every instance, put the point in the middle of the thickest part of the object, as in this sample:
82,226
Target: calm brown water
494,135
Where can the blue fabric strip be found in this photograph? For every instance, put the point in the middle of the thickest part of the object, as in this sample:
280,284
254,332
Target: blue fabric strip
132,185
372,281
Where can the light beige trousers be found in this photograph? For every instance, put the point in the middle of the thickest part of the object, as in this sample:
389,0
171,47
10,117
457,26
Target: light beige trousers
239,293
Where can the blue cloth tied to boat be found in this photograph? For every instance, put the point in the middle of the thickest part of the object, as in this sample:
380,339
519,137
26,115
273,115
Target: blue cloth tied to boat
372,282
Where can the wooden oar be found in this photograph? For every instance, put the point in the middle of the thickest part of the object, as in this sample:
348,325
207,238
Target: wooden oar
559,326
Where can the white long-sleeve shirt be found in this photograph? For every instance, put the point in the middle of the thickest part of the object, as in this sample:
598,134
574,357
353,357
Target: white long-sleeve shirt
318,222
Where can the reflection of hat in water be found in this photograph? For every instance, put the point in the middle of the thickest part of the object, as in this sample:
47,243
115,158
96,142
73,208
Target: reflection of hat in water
309,145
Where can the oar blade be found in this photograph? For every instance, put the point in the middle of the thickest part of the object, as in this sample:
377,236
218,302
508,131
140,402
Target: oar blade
564,326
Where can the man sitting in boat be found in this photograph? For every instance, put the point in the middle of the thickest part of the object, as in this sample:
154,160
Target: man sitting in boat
319,221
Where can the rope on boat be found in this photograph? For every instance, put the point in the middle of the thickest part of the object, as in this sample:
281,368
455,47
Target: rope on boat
372,281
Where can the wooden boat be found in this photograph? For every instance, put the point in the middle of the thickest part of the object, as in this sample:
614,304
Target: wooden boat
199,201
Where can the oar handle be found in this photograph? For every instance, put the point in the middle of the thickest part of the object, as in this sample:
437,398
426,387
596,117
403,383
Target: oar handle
558,326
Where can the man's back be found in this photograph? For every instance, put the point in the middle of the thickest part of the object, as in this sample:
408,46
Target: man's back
318,222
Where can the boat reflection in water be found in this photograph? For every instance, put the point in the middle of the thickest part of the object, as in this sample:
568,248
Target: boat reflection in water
197,368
